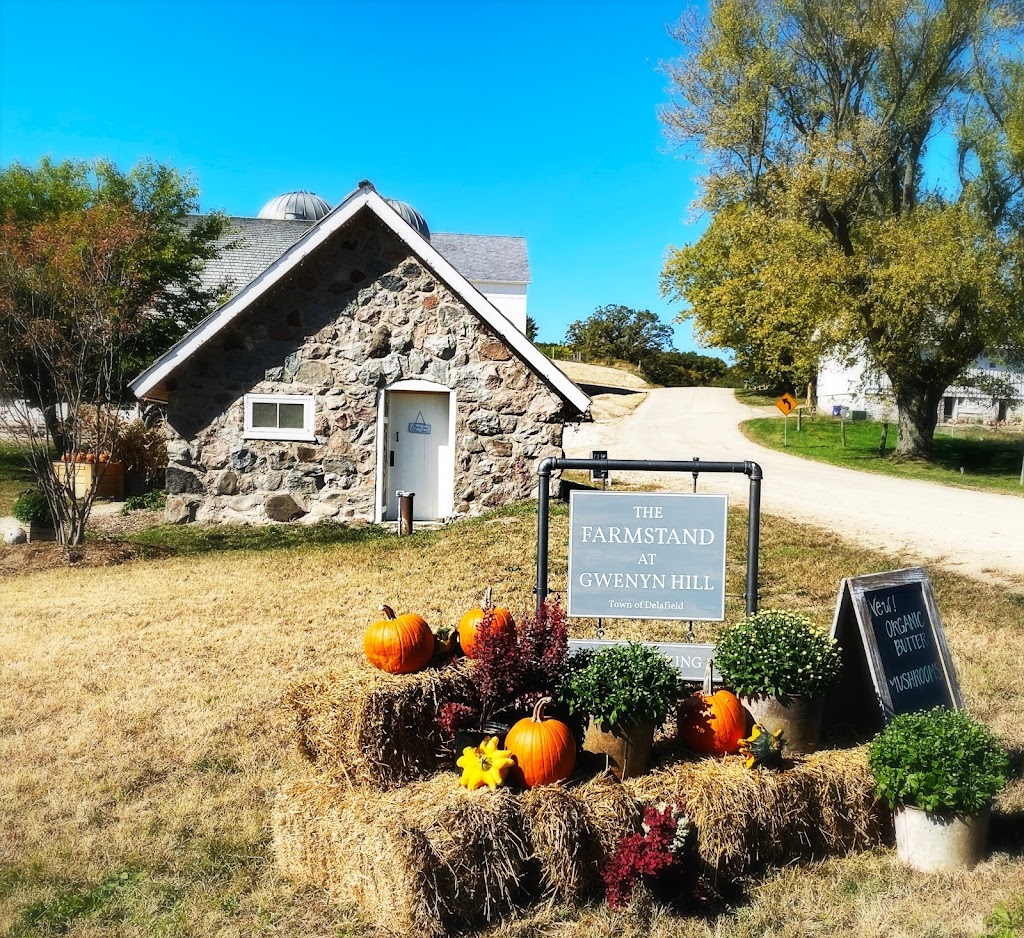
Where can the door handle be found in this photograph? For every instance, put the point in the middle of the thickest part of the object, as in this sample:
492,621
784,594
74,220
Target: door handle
391,460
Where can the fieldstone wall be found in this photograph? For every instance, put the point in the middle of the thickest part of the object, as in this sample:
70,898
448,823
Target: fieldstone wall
359,315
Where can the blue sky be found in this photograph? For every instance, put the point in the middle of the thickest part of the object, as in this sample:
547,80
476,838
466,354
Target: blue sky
526,118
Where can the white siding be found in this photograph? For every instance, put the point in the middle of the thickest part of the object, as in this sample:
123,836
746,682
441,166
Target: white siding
508,298
849,386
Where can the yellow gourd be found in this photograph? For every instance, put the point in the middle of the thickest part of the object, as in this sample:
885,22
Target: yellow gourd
485,764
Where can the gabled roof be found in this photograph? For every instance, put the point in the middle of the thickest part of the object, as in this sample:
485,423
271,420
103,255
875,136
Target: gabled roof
250,245
150,382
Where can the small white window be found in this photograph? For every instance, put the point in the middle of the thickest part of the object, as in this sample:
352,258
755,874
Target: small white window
279,417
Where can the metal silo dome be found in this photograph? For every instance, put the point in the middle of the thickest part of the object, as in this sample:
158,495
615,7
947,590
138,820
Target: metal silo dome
301,205
410,215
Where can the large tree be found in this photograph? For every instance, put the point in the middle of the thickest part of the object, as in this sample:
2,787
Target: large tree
99,271
865,181
616,332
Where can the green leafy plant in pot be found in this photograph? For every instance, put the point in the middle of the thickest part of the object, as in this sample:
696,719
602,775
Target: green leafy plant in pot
781,666
627,691
939,771
32,510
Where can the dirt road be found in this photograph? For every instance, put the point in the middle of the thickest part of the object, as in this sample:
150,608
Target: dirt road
977,533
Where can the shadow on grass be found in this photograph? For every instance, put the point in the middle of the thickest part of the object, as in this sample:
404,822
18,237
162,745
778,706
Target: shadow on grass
203,539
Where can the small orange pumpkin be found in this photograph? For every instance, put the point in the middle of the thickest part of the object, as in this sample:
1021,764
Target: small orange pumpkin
544,749
501,619
712,723
399,644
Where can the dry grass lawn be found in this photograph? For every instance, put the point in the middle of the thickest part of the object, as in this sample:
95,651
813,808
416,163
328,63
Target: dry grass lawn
142,737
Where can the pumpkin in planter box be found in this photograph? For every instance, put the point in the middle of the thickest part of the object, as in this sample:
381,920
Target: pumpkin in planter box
544,748
712,723
399,644
501,620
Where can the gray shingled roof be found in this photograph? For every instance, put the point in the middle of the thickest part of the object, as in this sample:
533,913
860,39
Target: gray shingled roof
484,257
261,241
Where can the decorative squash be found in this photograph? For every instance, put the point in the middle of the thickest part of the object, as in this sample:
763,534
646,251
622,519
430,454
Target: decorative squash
544,748
763,748
446,640
485,764
399,644
501,619
712,723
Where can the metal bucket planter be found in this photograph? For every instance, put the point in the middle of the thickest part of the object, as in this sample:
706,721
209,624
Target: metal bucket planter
628,751
799,718
940,842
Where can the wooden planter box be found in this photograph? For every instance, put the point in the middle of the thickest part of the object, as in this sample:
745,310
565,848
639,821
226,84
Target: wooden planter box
39,532
110,478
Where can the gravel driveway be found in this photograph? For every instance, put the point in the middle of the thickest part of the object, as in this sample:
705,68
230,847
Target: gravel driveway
917,523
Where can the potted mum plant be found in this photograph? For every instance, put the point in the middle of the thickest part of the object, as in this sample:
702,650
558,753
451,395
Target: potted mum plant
781,666
627,691
33,511
938,770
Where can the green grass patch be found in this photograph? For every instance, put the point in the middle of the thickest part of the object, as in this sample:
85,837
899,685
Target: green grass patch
56,915
753,397
989,459
202,539
205,539
15,475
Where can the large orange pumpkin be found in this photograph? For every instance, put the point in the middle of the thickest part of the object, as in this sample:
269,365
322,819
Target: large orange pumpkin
399,644
501,619
544,749
712,723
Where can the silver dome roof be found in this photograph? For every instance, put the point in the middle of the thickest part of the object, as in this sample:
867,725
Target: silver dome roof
301,205
410,215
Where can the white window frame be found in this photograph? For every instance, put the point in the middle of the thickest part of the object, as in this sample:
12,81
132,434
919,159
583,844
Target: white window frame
304,433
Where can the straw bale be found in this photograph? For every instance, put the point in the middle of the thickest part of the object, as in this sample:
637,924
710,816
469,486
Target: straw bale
418,860
823,804
432,857
368,727
573,830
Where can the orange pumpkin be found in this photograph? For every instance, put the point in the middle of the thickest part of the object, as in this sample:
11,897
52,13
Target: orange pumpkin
712,723
501,619
544,749
399,644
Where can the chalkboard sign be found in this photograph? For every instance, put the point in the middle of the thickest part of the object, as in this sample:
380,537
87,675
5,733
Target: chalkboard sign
889,628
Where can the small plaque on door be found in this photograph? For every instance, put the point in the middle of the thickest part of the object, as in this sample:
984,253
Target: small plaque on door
419,425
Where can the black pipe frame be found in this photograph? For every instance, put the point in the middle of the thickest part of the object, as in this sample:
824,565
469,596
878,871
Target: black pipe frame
696,466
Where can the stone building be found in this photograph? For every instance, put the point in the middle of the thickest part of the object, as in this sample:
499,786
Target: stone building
358,361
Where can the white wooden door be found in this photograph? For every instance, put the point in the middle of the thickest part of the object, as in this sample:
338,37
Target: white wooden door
418,446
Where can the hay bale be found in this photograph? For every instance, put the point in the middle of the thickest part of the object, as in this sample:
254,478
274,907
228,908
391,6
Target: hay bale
746,820
368,727
431,857
573,830
419,860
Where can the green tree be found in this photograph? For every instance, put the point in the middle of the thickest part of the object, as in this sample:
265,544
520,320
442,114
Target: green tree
99,271
683,369
828,233
531,328
618,333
